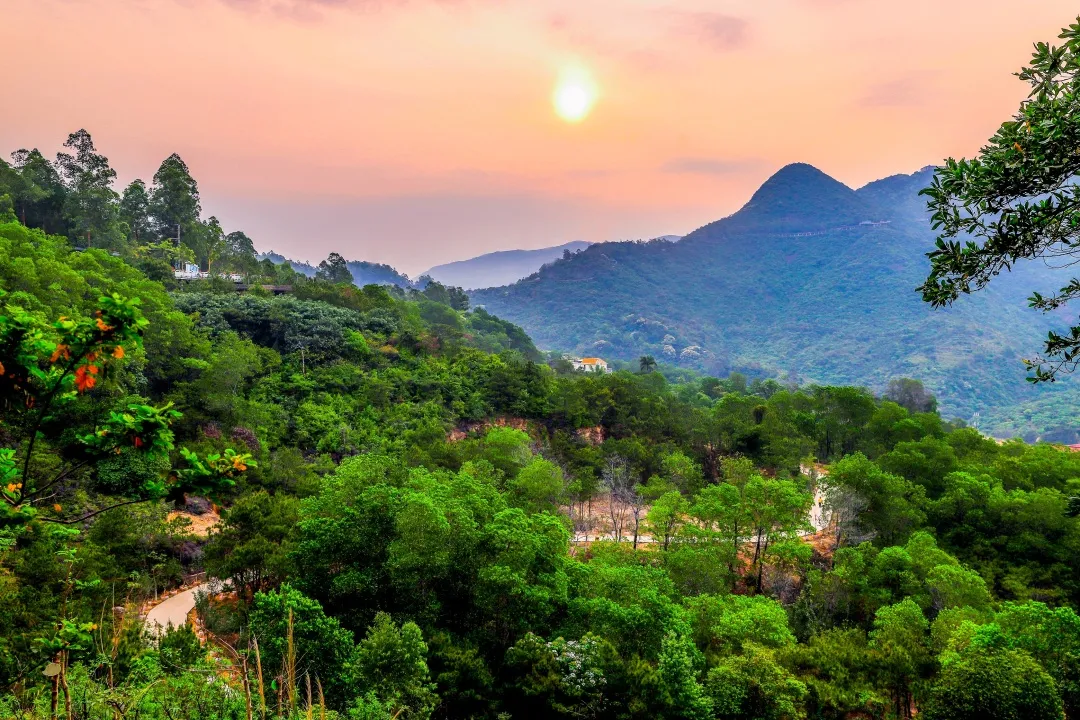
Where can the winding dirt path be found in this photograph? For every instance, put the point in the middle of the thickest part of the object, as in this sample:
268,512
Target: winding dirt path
172,610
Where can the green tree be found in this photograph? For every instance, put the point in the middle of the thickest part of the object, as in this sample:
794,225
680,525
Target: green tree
985,684
1017,200
754,686
538,487
44,372
135,212
174,199
391,662
295,637
334,269
665,516
91,203
682,695
900,637
911,395
38,193
249,548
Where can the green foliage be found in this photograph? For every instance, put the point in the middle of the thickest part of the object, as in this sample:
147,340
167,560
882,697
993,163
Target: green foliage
1016,200
995,685
319,646
391,663
389,465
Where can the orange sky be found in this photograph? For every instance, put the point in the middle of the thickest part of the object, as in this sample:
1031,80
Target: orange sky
415,132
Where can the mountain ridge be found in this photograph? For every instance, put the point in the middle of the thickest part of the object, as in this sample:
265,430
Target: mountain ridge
810,280
501,267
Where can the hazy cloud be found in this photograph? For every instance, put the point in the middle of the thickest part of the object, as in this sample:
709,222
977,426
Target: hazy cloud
708,166
903,92
314,9
719,31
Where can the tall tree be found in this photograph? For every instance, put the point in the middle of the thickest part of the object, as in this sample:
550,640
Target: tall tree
174,199
91,203
239,244
135,212
39,196
911,395
1017,200
334,269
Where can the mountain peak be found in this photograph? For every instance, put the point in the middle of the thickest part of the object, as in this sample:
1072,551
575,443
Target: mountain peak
798,198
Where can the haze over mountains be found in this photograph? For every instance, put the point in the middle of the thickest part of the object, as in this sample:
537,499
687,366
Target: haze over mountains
499,268
812,281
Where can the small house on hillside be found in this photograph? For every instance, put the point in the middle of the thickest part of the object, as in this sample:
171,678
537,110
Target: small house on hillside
590,365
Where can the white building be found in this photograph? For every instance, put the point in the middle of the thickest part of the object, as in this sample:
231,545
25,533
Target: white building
590,364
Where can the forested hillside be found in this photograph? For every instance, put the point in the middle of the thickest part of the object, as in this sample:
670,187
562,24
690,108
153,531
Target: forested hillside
810,281
380,503
407,521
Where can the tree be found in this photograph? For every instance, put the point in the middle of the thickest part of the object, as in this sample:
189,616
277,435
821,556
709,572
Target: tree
646,364
239,253
727,624
1017,200
207,239
888,506
90,203
39,194
911,395
754,686
900,636
174,199
538,486
682,694
296,637
666,515
988,684
44,373
334,269
459,299
135,212
249,547
391,662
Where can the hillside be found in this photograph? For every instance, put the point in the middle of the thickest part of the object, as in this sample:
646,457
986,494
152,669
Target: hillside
499,268
812,281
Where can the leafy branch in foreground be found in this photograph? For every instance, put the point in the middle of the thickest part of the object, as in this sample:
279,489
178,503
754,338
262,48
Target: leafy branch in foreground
43,372
1017,200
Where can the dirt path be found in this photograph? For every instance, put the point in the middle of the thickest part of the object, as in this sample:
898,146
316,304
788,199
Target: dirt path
173,610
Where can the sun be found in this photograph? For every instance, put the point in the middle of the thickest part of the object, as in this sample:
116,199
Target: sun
574,96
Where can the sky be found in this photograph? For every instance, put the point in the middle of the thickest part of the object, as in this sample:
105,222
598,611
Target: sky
416,132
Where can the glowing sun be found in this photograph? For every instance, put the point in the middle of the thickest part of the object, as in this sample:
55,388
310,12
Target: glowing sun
574,96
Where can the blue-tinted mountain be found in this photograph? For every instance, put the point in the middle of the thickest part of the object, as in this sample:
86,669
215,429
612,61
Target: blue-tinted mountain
366,273
499,268
810,280
301,267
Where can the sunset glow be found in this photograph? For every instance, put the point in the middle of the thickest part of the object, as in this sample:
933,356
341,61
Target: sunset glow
574,97
421,132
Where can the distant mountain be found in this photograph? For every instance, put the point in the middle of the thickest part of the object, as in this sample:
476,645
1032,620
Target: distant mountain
812,281
301,267
364,273
499,268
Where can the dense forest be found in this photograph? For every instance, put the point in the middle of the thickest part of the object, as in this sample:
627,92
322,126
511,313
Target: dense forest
384,503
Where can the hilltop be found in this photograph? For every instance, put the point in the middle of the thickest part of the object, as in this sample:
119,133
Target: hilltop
810,281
